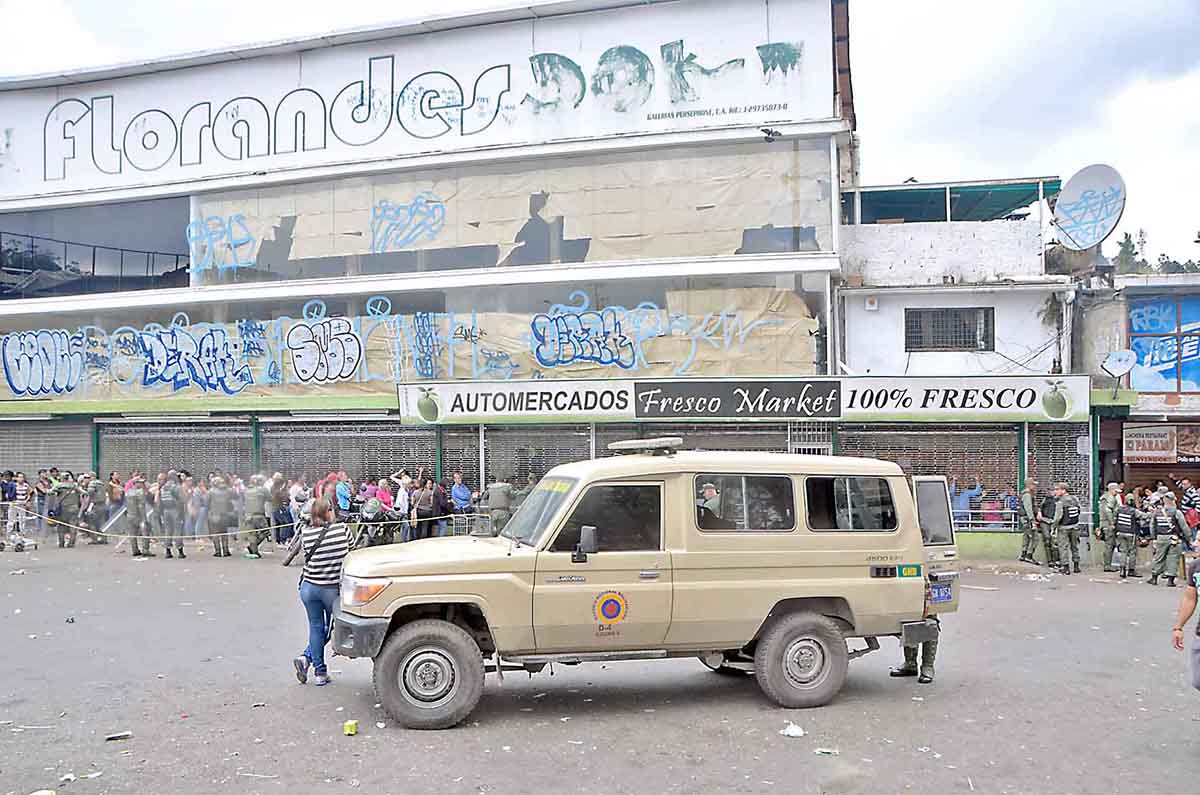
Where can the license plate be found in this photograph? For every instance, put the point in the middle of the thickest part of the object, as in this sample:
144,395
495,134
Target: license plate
941,592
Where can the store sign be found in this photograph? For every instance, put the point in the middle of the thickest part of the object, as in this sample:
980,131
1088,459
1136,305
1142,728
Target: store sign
1000,399
1161,444
738,400
1149,444
627,71
1063,399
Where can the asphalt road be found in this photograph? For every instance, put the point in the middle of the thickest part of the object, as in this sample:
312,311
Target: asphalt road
1065,686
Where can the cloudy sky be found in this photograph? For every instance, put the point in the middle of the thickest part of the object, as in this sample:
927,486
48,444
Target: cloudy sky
944,89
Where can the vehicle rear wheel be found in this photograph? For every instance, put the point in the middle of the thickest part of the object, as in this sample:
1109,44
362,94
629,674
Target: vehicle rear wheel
429,675
801,660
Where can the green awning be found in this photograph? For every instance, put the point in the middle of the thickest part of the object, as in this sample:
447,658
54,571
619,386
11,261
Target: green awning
982,202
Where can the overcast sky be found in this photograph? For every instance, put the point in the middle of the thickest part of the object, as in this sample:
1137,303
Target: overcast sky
944,89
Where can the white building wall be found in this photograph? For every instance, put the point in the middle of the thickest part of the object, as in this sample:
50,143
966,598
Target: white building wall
875,339
922,253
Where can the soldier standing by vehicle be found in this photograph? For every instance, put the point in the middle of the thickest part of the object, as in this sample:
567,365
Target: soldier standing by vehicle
255,502
499,501
1029,524
220,516
1107,530
1170,539
67,497
1066,525
135,515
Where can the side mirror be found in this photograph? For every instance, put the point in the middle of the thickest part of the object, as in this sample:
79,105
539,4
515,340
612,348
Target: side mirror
586,546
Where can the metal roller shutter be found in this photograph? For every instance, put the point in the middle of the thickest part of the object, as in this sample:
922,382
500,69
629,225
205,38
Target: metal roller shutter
460,450
965,451
198,448
27,446
607,433
810,438
518,451
1054,456
365,449
723,436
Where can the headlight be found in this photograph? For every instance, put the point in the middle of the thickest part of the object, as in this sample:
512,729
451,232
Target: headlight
357,591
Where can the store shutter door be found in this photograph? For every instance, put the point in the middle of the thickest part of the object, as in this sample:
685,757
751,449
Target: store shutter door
518,451
460,450
371,450
1054,456
27,446
198,448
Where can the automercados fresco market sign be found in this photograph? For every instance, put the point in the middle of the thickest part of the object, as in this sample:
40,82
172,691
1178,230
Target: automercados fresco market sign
1000,399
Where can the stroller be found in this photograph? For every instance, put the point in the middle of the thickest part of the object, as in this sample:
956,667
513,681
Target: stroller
15,536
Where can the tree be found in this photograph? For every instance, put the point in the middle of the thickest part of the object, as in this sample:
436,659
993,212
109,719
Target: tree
1168,265
1127,260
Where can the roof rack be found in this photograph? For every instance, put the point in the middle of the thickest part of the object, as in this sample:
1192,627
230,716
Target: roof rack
662,445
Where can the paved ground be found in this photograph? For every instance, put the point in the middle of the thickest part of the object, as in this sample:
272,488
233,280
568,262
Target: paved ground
1065,686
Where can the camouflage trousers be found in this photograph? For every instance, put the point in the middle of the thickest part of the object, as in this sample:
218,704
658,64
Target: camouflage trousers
1127,546
1042,531
1166,557
1109,536
253,533
1068,545
928,656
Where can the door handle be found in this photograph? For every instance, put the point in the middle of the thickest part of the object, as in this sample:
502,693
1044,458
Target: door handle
649,574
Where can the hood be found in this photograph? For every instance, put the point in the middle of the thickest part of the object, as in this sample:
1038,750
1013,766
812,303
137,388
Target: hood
436,556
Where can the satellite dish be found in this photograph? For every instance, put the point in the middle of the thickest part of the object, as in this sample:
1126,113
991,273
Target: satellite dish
1119,363
1089,207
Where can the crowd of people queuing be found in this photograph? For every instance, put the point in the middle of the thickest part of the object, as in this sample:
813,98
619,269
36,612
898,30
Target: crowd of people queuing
173,506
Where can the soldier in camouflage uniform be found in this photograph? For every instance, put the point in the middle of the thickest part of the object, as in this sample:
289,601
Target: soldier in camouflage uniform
255,503
1170,540
1126,530
170,507
97,495
1107,529
135,516
1066,524
499,501
1029,524
67,498
220,516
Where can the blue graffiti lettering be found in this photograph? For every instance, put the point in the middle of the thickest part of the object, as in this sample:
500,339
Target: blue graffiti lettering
44,362
223,243
394,226
426,345
253,335
174,356
589,336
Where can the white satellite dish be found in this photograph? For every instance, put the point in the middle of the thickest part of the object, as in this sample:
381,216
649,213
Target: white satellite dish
1119,363
1089,207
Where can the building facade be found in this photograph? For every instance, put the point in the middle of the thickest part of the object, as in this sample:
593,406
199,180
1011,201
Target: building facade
499,242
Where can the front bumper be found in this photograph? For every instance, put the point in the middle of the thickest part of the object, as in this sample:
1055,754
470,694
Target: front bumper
355,636
914,633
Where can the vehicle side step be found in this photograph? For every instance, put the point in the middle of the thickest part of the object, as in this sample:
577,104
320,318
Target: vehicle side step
599,656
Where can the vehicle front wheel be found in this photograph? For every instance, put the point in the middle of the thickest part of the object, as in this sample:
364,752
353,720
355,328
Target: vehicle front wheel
429,675
801,660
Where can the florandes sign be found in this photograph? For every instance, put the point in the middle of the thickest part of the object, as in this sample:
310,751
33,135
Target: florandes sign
1001,399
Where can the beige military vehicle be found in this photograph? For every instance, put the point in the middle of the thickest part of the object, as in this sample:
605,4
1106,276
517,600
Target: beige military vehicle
752,562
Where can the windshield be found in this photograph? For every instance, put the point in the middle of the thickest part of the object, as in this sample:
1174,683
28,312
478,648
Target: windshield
533,517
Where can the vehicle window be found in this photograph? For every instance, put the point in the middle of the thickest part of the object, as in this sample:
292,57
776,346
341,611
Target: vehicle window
850,503
626,518
933,512
535,513
744,502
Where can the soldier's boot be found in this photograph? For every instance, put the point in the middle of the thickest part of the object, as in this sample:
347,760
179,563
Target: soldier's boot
909,668
1077,571
1153,579
1170,582
167,550
928,655
179,552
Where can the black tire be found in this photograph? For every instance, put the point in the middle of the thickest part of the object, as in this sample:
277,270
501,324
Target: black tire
801,660
429,675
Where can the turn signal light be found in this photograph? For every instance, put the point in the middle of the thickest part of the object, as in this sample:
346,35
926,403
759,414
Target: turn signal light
357,591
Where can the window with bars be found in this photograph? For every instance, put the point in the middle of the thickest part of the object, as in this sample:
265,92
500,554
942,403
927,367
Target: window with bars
958,329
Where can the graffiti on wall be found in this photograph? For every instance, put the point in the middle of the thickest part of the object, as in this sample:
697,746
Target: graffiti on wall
394,226
697,333
221,243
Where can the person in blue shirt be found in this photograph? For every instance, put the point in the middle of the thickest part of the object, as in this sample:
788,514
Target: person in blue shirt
960,499
342,491
461,494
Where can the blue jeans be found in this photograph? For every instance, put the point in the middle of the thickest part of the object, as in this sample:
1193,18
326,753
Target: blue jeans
318,601
441,527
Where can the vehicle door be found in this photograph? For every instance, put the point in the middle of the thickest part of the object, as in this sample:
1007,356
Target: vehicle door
618,597
937,533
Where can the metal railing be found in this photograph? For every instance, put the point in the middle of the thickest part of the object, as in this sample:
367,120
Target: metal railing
999,520
36,267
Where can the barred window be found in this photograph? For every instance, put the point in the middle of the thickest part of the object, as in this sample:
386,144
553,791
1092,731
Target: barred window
961,329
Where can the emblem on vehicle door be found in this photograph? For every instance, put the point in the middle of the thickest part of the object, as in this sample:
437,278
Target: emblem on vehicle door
610,607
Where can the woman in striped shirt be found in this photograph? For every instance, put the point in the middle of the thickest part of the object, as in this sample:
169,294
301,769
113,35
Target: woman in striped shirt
325,543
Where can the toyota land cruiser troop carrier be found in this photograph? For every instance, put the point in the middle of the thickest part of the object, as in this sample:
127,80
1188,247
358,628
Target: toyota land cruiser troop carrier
787,566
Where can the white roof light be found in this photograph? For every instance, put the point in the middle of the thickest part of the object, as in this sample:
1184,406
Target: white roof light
662,445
